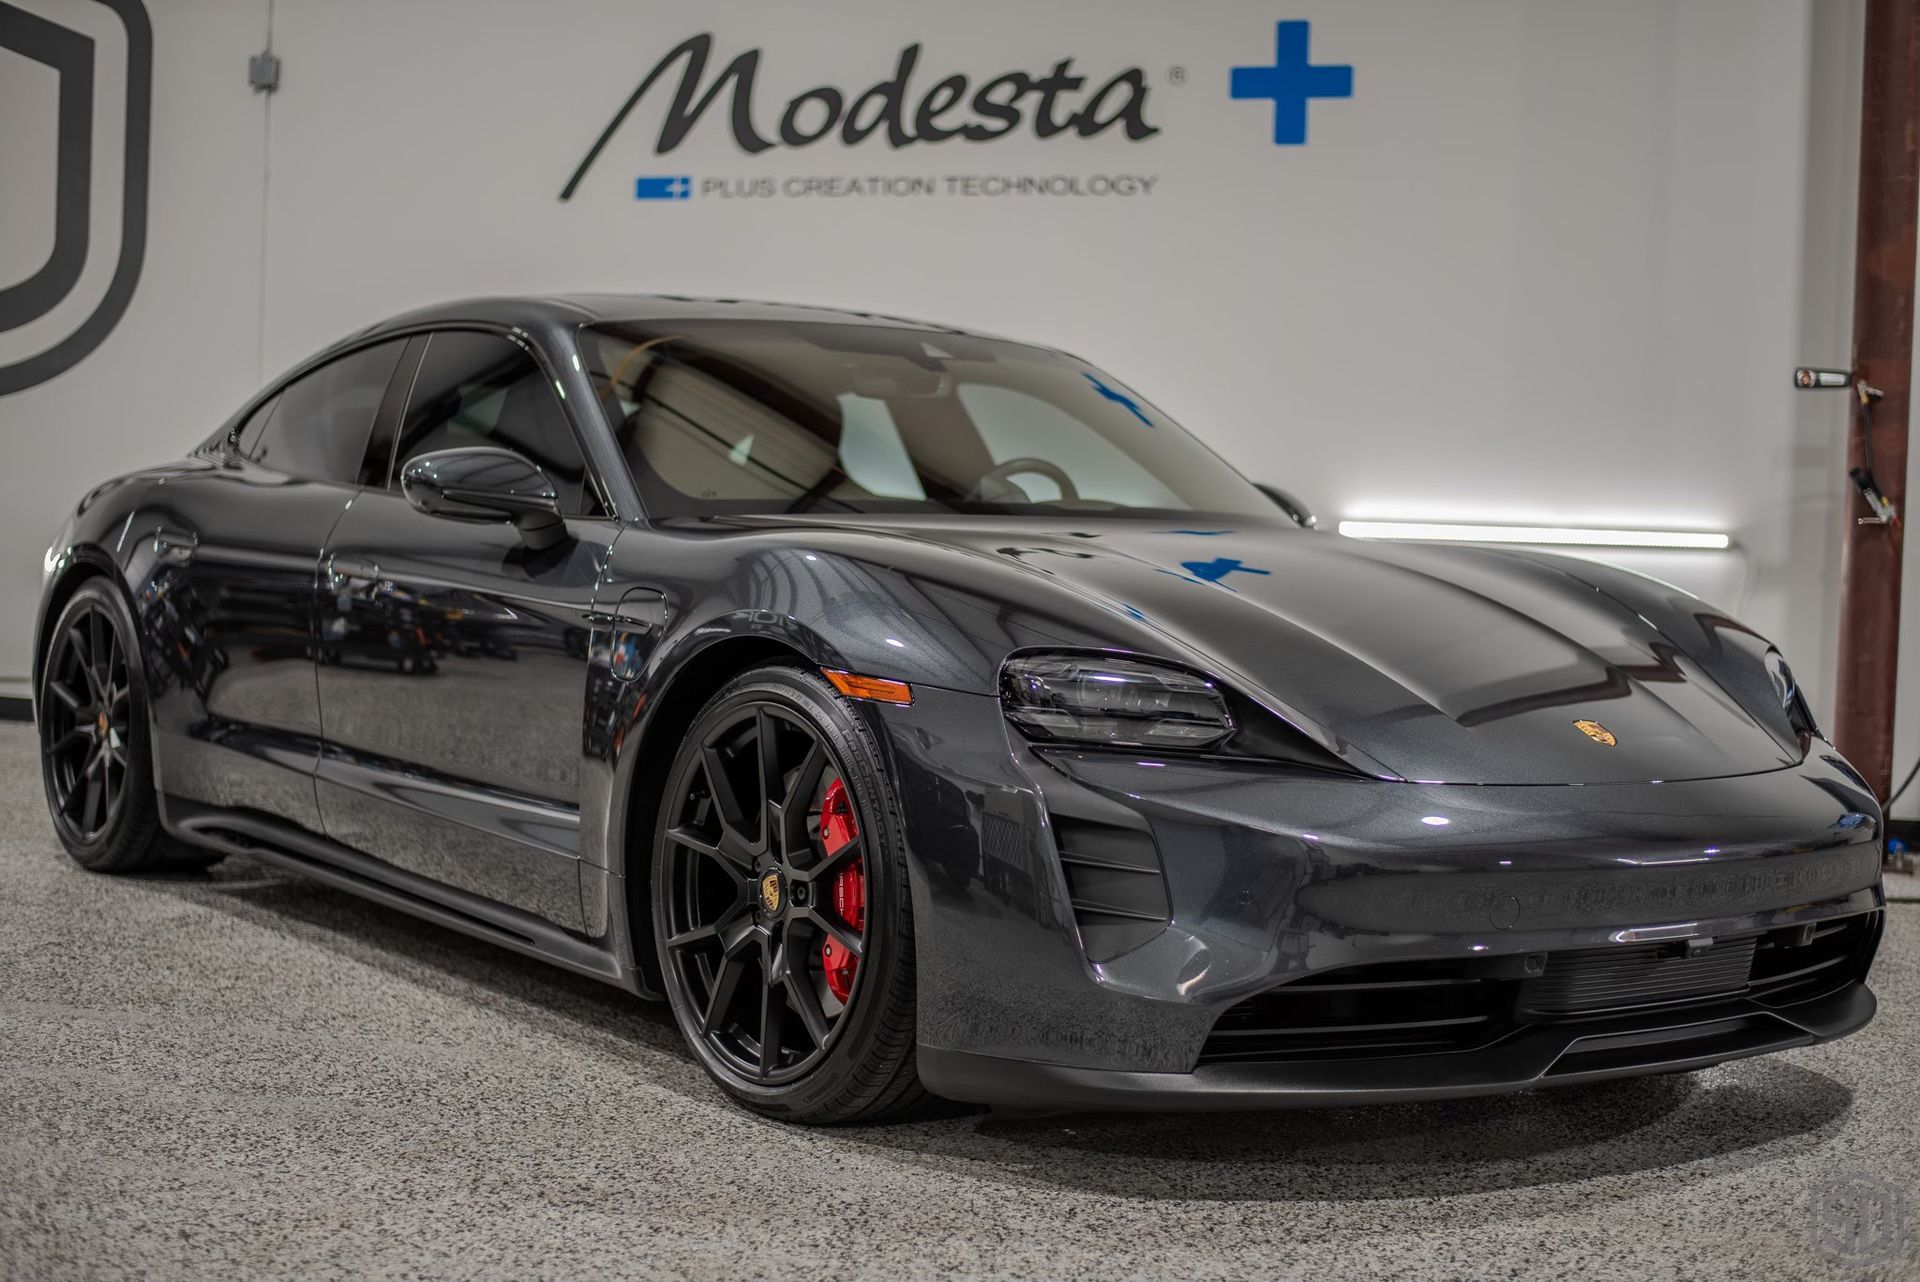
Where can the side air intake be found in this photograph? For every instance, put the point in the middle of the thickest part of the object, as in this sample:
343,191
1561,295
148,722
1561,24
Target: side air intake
1113,878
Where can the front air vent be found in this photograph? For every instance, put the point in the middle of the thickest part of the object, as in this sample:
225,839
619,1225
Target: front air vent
1113,879
1584,980
1809,961
1454,1004
1388,1008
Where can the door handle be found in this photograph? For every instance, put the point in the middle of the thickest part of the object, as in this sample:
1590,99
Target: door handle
640,610
343,570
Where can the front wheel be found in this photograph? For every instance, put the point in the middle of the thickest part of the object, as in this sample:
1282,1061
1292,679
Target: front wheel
95,744
780,904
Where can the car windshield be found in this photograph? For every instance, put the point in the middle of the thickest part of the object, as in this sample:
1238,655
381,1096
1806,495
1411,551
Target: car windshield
724,416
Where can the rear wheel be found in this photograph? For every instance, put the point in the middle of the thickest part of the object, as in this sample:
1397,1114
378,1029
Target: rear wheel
780,905
95,747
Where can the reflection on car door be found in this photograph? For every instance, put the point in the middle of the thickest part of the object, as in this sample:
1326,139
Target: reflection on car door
454,654
227,602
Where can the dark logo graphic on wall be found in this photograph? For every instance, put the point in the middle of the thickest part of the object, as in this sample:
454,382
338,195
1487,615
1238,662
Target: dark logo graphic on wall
916,105
905,109
71,54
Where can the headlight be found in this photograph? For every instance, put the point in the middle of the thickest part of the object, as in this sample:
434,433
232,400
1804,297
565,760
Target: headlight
1115,702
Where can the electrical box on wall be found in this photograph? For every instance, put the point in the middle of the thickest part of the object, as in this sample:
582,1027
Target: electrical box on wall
263,72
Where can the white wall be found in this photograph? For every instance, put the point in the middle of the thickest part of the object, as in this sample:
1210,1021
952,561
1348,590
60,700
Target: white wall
1553,260
187,351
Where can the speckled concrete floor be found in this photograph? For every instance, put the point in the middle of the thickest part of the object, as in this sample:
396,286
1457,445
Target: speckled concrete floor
243,1075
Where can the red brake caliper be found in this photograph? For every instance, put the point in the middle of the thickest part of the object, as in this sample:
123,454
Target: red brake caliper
837,828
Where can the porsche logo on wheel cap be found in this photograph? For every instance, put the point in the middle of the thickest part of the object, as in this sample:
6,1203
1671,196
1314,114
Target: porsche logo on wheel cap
770,892
1596,732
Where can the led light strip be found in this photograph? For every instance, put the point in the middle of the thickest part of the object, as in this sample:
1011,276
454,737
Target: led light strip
1447,532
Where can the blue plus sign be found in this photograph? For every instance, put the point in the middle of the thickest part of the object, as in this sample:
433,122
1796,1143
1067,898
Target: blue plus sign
1290,82
679,188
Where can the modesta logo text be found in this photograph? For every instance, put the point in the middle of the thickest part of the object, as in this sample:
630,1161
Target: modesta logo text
913,107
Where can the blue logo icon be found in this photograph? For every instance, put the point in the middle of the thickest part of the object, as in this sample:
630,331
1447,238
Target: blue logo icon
1291,82
668,187
1119,398
1219,568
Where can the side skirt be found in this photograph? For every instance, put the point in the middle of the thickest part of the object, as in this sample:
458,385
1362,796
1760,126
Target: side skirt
285,845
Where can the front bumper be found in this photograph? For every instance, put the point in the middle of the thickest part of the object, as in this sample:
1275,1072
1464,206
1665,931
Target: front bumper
1269,876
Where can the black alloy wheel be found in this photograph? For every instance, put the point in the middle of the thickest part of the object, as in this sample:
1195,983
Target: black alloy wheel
96,758
84,723
779,904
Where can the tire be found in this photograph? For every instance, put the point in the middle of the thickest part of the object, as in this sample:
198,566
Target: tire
741,958
96,758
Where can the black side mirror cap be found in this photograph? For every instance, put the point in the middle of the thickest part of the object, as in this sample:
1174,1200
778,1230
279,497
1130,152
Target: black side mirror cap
485,483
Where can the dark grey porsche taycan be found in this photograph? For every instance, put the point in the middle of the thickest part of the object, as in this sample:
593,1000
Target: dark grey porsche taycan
922,712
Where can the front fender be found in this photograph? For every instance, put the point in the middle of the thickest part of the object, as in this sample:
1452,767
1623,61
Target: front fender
102,536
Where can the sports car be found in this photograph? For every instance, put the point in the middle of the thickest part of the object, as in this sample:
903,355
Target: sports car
925,713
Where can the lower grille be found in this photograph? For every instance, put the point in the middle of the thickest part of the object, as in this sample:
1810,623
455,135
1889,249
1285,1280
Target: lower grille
1426,1007
1392,1009
1600,979
1792,966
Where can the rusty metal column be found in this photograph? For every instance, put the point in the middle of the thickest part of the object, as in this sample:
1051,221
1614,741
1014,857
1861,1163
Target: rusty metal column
1882,356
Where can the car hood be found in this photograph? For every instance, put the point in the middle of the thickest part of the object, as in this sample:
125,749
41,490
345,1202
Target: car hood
1446,664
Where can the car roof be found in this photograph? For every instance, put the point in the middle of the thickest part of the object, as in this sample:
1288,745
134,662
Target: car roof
568,310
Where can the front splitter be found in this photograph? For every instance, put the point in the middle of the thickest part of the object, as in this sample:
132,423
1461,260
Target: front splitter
1536,1056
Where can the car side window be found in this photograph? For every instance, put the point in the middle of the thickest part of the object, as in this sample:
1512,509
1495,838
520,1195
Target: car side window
482,389
318,426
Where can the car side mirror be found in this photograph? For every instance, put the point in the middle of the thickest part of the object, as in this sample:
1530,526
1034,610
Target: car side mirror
485,483
1299,512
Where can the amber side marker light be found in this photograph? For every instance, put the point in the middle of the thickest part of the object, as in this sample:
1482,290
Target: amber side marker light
876,688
